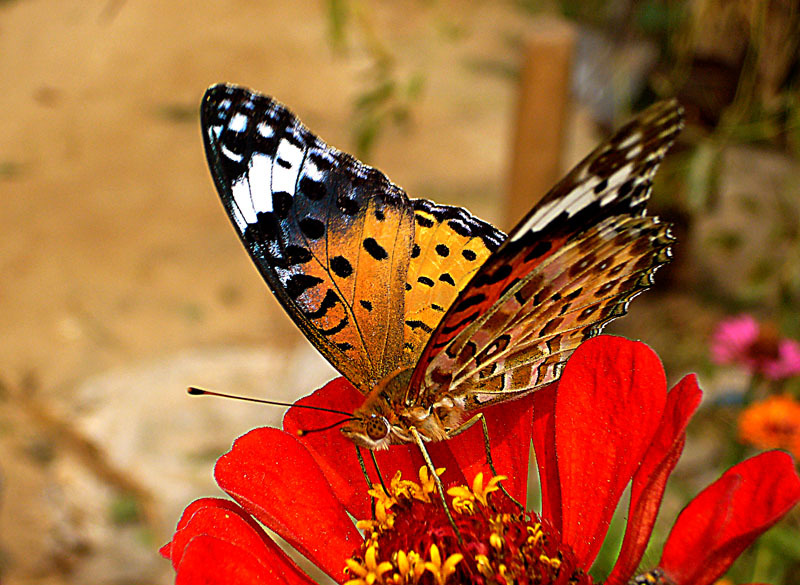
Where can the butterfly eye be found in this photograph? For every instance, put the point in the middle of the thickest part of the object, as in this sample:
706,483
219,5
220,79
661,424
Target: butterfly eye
377,427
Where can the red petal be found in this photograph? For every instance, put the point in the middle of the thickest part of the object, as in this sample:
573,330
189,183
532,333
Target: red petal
211,561
726,517
609,402
544,443
509,426
336,455
276,480
650,480
226,521
167,550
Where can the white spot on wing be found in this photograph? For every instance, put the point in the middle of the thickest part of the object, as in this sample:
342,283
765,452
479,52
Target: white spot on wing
633,152
582,196
311,171
230,154
241,199
265,130
285,179
238,123
238,218
260,182
630,140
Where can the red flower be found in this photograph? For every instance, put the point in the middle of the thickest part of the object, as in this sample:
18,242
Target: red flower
610,423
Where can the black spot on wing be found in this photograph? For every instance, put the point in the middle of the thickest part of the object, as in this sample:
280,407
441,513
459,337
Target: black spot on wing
292,256
469,302
313,190
601,186
297,284
425,222
281,204
442,250
341,266
446,278
501,273
416,324
374,249
266,228
348,206
313,229
319,161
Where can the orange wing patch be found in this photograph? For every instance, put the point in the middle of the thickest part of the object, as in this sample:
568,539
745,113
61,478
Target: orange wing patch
450,245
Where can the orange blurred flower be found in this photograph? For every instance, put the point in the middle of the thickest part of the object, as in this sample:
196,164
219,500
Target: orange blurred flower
772,423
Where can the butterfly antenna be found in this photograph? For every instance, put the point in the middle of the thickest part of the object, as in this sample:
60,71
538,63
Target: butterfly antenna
201,392
304,432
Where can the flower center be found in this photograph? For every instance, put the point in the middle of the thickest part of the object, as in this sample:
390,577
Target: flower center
766,347
411,541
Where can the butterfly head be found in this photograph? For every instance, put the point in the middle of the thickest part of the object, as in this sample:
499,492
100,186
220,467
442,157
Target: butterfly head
369,430
376,424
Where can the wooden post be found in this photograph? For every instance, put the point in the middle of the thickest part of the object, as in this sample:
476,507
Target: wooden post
541,115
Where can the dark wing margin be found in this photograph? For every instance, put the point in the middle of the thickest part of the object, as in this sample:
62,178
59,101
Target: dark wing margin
330,236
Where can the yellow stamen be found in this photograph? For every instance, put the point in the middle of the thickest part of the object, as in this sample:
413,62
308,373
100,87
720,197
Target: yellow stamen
484,567
441,571
371,571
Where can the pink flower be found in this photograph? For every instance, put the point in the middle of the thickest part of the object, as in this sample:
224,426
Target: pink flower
743,341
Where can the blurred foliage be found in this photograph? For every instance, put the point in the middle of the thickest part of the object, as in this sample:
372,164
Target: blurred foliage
388,95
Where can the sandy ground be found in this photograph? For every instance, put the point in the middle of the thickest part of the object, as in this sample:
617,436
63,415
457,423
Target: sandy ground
123,280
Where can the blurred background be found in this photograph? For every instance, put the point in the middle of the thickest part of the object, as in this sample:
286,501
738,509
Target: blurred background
123,281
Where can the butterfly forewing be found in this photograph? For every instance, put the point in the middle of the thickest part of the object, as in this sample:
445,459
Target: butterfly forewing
568,268
331,236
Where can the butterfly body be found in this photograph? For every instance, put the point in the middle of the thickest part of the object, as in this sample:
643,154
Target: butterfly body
430,312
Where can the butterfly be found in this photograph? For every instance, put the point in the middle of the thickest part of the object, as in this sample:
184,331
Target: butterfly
430,312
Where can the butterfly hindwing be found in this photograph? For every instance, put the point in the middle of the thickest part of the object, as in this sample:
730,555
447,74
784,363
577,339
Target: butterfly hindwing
567,268
331,236
539,337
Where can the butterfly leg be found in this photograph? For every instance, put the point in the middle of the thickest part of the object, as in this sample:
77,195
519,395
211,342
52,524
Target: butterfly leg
487,447
438,482
366,475
378,471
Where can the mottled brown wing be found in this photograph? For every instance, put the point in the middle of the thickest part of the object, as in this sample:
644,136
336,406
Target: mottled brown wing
572,264
450,245
591,281
331,236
